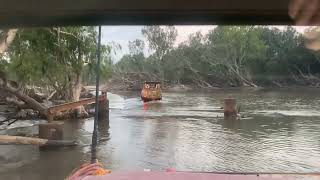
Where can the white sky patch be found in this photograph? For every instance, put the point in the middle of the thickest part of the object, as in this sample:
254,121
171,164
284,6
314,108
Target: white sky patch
300,29
123,34
185,31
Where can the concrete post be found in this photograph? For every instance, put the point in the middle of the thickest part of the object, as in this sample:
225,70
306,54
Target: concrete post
103,129
51,131
104,108
230,108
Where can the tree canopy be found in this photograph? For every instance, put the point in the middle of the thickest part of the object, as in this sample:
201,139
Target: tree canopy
227,56
61,58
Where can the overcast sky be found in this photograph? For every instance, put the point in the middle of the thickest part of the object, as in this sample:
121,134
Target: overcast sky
123,34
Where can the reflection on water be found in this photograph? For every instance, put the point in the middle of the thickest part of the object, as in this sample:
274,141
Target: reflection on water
279,133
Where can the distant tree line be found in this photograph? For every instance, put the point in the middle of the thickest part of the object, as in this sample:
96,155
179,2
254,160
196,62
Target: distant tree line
228,56
63,58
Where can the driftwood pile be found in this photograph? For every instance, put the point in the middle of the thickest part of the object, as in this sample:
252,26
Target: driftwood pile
32,102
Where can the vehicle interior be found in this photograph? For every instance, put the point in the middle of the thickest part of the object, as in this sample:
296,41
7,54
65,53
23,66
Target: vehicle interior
156,134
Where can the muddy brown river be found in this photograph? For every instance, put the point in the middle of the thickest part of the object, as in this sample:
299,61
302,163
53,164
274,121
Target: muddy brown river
279,132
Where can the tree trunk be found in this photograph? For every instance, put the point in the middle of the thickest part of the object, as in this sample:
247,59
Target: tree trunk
75,88
33,94
7,39
75,92
242,79
19,104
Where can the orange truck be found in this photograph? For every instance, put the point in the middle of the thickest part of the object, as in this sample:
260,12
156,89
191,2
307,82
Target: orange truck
151,91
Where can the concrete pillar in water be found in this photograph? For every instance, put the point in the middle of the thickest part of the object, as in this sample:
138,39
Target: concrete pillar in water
51,131
103,129
230,108
103,122
104,108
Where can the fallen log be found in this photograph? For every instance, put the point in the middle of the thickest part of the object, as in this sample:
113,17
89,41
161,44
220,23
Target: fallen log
32,103
19,140
33,94
19,104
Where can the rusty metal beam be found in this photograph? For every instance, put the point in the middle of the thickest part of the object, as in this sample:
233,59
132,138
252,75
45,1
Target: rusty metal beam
73,105
68,106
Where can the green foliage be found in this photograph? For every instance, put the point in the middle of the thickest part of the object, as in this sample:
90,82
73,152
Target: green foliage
57,57
89,70
161,39
235,48
227,56
136,47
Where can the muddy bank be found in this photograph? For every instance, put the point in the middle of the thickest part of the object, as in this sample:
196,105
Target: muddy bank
135,81
118,86
115,86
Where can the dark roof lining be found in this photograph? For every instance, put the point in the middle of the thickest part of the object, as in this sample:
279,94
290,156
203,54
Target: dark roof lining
49,6
142,12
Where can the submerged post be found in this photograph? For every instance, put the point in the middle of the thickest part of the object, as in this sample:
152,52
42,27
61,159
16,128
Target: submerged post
51,131
230,108
104,107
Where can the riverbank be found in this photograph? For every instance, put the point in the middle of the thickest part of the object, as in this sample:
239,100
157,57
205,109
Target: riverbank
115,87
